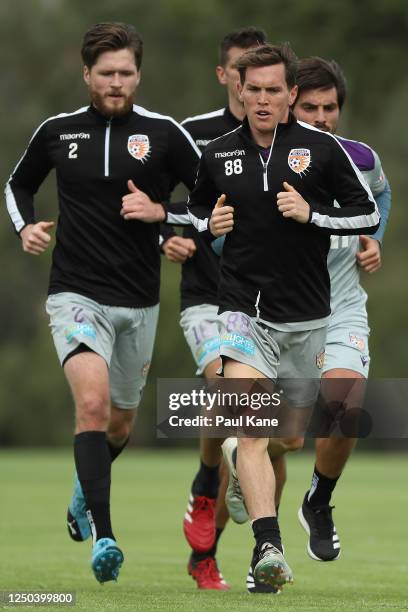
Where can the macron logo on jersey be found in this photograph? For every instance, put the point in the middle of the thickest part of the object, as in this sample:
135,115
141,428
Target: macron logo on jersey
237,152
74,136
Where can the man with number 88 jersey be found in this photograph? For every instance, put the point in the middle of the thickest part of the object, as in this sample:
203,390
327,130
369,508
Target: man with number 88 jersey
273,182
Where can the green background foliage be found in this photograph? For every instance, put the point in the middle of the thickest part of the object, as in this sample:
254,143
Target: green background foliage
41,77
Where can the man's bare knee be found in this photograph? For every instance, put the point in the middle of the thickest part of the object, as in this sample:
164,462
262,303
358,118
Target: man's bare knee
92,412
293,444
252,445
120,425
278,446
119,434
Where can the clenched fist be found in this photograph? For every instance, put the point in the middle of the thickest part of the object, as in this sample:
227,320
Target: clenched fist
292,205
369,255
222,218
137,205
178,249
35,237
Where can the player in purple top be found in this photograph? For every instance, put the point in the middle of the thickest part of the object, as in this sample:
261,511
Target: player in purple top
322,91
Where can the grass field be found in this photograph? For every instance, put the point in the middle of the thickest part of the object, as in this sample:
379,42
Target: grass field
149,494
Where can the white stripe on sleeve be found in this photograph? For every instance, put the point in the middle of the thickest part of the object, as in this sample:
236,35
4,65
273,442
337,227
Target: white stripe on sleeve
12,208
178,219
346,222
200,224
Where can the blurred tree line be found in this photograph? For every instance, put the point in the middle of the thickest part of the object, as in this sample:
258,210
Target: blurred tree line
41,77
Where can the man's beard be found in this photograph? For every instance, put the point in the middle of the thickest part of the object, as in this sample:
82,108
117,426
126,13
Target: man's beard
109,110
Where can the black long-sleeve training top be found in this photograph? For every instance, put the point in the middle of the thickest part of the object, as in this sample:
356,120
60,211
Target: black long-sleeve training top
199,279
97,253
271,266
199,273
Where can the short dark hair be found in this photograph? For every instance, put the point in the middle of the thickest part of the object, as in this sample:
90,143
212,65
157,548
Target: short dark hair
244,38
268,55
318,73
110,36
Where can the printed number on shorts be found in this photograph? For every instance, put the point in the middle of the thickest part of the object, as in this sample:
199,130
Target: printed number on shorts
202,332
238,323
233,167
73,148
78,316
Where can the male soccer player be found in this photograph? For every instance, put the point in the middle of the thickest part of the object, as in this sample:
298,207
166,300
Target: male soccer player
320,99
114,162
274,181
205,519
321,95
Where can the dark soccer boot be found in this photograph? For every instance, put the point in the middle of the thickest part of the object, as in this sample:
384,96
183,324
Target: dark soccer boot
324,543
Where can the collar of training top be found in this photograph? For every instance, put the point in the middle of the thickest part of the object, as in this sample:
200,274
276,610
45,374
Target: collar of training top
232,119
104,118
245,130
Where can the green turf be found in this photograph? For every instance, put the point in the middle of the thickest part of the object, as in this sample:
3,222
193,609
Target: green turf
148,501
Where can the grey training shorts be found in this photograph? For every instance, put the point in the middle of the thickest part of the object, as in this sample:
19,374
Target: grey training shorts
347,340
124,337
278,355
199,324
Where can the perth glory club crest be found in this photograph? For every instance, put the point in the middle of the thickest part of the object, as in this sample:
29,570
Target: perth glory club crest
139,146
320,359
357,342
299,160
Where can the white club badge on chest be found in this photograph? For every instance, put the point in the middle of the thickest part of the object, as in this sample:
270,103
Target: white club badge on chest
139,146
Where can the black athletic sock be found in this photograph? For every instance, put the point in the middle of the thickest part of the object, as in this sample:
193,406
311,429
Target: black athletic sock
267,530
116,450
321,489
206,481
199,556
93,464
218,532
